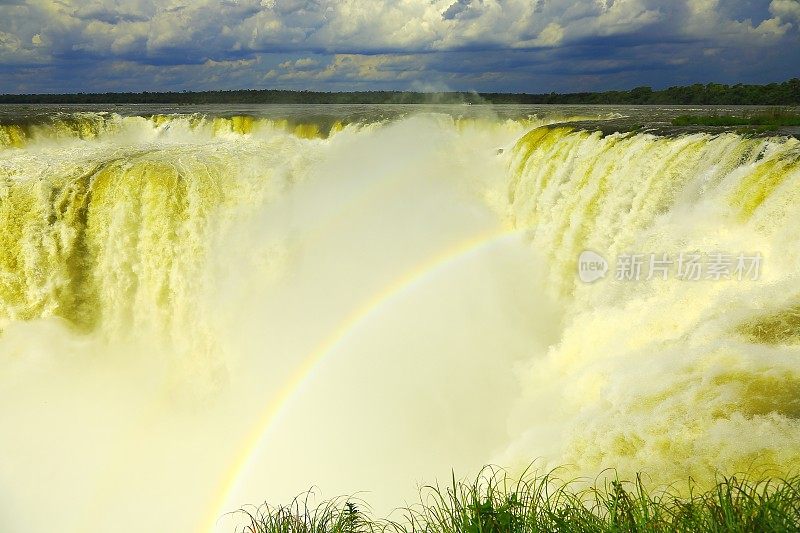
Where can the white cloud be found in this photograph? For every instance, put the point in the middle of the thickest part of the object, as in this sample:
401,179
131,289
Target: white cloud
208,28
788,10
551,35
350,67
337,39
305,63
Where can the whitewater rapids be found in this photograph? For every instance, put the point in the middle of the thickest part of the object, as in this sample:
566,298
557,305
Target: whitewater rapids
199,312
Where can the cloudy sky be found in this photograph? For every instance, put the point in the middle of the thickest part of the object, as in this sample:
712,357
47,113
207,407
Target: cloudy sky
484,45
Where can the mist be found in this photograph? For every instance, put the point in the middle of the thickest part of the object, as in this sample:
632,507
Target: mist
347,315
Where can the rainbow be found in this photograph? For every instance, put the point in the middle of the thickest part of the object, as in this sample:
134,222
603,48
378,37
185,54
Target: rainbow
404,284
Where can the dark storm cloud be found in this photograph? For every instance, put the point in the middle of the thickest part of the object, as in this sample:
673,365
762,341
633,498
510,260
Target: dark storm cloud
461,44
109,16
456,9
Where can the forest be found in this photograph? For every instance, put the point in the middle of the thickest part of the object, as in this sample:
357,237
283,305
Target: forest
786,93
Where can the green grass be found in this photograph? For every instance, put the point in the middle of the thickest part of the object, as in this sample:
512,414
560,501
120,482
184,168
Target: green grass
498,503
770,121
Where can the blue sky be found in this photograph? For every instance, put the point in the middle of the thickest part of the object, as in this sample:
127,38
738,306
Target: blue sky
483,45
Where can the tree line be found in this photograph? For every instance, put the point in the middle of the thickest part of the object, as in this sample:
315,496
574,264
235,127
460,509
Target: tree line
786,93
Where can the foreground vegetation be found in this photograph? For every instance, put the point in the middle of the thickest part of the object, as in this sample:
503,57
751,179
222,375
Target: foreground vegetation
497,503
763,121
786,93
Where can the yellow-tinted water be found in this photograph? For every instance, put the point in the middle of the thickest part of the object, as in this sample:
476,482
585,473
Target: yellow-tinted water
202,312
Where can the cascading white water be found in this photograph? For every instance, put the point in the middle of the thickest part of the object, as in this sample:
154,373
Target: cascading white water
201,313
670,377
